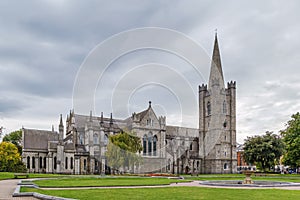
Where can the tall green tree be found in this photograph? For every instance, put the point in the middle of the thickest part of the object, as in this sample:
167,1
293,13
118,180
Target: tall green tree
122,150
15,137
10,159
291,138
264,151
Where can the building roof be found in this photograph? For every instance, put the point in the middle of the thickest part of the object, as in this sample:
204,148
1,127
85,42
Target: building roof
38,139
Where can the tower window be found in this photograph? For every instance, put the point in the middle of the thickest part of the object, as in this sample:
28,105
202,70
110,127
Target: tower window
208,108
224,107
225,166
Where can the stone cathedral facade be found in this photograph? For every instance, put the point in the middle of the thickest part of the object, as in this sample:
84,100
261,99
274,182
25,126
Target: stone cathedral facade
80,144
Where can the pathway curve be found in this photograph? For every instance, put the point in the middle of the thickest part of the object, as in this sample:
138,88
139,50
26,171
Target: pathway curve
7,188
180,184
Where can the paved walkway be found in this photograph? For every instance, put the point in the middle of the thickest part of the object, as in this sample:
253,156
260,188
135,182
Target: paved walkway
181,184
7,188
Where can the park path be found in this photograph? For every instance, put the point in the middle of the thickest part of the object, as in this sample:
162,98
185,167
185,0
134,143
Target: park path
180,184
7,188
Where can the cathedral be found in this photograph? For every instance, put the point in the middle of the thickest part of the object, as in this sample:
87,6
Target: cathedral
80,144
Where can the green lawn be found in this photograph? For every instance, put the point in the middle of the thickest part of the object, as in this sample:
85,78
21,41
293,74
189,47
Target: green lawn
107,181
10,175
173,193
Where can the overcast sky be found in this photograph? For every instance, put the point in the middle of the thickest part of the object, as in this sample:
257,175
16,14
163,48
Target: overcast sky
44,43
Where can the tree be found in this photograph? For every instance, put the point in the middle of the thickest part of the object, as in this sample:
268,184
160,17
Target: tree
263,151
291,138
15,138
122,150
10,159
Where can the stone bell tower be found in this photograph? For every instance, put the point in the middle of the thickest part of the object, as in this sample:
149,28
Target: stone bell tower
217,120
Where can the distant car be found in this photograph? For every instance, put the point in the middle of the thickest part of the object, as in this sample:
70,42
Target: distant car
292,171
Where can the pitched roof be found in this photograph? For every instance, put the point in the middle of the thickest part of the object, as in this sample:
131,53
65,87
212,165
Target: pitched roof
38,139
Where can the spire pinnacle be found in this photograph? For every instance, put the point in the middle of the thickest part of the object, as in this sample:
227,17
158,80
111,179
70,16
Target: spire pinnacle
111,119
101,119
61,121
91,116
216,72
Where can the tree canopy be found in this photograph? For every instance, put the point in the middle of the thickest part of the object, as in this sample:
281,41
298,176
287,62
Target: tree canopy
291,138
263,151
122,150
10,159
14,137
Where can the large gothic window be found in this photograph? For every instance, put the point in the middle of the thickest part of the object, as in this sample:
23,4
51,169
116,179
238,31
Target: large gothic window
224,107
144,144
154,145
208,108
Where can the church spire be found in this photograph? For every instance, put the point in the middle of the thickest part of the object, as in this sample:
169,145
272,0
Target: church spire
216,72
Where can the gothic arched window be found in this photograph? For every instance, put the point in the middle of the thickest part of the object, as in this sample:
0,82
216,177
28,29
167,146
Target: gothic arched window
66,163
208,108
105,139
33,162
149,144
154,145
28,162
224,107
144,144
84,164
95,138
225,166
81,139
71,163
41,162
55,162
45,161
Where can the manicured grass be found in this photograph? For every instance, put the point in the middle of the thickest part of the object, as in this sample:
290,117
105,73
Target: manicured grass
10,175
99,181
173,193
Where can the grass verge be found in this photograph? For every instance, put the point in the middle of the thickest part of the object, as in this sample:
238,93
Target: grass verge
109,181
172,193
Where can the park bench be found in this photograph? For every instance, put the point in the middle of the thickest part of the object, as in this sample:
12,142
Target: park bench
260,174
20,175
